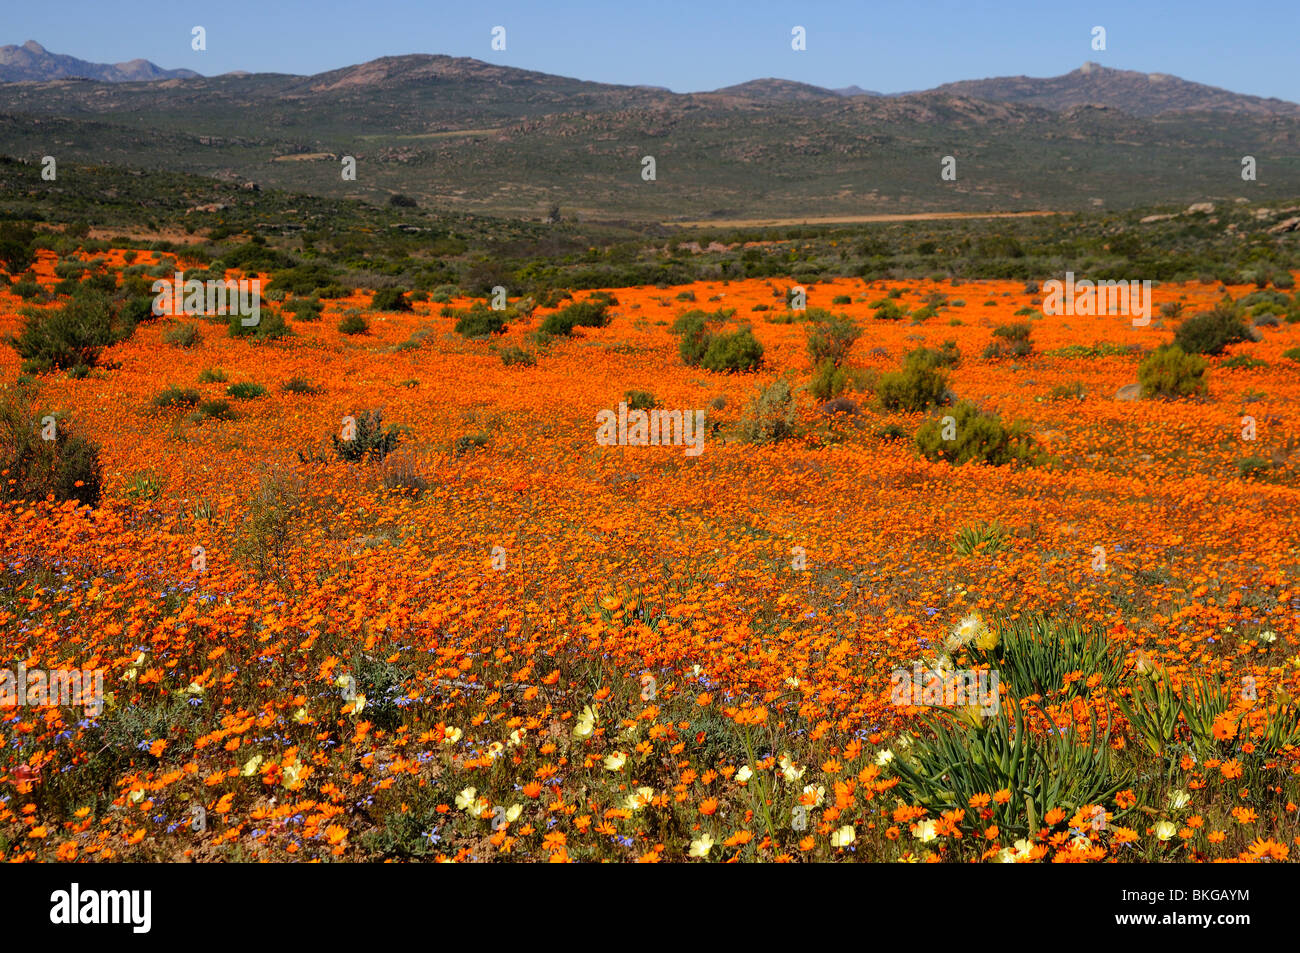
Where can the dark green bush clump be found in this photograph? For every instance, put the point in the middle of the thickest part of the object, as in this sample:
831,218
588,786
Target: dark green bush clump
370,439
480,321
1211,331
1171,373
977,436
389,299
353,324
830,340
580,314
66,467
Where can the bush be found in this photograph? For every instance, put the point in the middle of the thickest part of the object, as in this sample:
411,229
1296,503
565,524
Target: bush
182,335
1248,467
1211,331
66,467
298,385
517,356
303,280
217,409
580,314
1017,337
1171,373
831,339
212,375
916,387
640,400
371,439
889,311
305,309
733,352
978,436
1292,353
173,396
353,324
72,335
946,356
480,321
389,299
770,417
828,381
842,299
245,390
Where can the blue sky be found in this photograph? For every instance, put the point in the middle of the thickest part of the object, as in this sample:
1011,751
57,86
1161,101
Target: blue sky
891,47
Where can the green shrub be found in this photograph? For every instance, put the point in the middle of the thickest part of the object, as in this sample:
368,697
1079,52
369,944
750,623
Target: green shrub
1292,353
298,385
371,440
216,409
946,768
1171,373
480,321
580,314
26,289
389,299
916,387
304,280
830,340
173,396
353,324
946,356
1036,654
1248,467
212,375
842,299
1211,331
828,381
983,538
305,309
245,390
770,416
977,436
182,335
889,311
72,335
640,400
66,467
515,356
730,353
1074,391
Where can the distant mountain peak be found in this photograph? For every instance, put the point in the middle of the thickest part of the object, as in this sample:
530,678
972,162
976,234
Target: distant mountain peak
33,63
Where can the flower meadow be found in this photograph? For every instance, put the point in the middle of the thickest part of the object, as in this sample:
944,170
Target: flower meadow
372,589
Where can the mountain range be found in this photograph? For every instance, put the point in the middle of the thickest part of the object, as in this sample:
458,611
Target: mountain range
470,136
32,62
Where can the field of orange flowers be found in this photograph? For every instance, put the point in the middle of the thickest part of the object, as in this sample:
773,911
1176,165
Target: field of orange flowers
554,650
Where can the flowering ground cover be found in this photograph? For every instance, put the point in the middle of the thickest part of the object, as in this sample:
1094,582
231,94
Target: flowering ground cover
496,638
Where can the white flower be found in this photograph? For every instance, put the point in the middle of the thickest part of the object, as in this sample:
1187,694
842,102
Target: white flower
451,735
883,757
817,792
1165,830
700,848
744,774
585,724
616,761
1179,800
465,799
844,836
925,832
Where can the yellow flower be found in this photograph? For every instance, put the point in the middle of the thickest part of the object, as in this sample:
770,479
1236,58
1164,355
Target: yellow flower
616,761
925,832
844,836
465,799
1165,830
744,774
251,766
451,735
700,848
513,812
585,724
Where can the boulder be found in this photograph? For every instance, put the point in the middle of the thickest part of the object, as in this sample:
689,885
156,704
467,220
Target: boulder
1129,392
